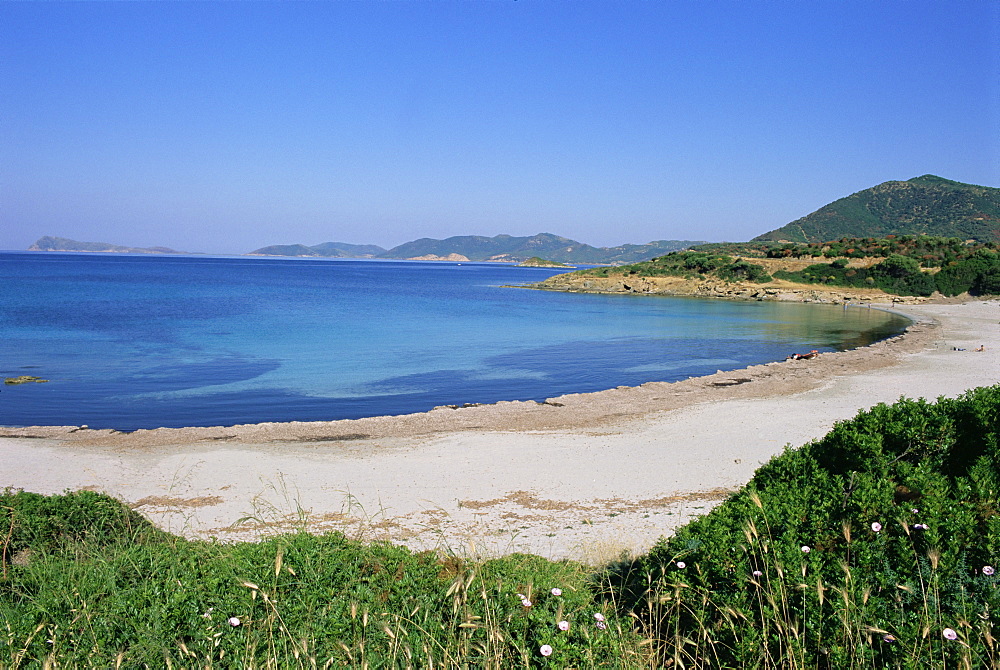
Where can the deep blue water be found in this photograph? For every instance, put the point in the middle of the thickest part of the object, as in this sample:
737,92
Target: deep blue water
132,341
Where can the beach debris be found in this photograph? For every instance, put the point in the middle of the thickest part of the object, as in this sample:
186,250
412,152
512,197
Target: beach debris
733,382
24,379
803,357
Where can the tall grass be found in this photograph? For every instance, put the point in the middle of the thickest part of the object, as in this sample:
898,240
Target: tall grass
873,547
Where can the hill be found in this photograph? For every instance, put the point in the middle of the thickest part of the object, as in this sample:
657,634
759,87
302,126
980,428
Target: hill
48,243
926,205
543,245
324,250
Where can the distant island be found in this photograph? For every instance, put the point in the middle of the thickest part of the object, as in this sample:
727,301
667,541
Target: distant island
536,262
48,243
325,250
500,248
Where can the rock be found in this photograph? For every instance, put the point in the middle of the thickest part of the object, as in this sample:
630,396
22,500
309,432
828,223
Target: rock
24,379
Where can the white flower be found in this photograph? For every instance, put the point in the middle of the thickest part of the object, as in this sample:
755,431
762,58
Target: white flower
805,549
599,617
526,602
681,564
876,526
601,625
234,621
557,591
563,625
949,634
758,573
545,650
988,570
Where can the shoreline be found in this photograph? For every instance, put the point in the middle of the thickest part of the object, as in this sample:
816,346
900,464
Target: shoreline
583,476
584,409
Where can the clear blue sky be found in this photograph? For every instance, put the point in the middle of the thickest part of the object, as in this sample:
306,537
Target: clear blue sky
223,127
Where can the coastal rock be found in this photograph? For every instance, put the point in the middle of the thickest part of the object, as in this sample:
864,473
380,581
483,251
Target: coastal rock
24,379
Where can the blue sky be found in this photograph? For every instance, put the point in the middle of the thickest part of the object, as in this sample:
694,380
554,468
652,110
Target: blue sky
223,127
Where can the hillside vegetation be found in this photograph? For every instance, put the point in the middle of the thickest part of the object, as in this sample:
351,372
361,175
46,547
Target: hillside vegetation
873,547
926,205
906,265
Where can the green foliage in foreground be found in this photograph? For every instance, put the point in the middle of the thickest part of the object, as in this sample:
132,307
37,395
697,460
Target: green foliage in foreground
87,582
867,548
870,547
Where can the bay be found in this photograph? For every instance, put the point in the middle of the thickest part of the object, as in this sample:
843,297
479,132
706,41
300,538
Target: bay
135,341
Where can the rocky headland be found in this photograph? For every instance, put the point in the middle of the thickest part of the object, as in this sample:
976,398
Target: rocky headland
711,287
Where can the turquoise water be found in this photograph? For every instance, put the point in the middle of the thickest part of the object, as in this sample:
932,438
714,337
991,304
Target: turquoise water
131,341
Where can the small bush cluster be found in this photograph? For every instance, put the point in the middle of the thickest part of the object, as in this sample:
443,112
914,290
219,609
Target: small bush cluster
979,274
689,264
875,546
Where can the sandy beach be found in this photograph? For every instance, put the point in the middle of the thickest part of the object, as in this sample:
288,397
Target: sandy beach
582,476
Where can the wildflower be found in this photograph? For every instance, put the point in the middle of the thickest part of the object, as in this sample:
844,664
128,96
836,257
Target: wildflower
988,570
914,510
876,526
949,634
545,650
920,526
234,621
208,613
601,625
888,637
557,591
757,573
563,625
805,549
599,617
526,602
681,564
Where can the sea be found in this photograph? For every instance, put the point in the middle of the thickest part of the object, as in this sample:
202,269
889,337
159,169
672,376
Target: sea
145,341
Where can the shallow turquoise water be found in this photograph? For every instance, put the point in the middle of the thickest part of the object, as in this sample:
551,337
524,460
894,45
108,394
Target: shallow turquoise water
133,341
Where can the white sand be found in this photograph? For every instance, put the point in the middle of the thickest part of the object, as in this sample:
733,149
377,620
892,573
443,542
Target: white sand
604,474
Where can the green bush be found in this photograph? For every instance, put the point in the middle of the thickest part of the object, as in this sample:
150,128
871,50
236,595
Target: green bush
824,557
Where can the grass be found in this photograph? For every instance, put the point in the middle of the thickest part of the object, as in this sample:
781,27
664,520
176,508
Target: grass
873,547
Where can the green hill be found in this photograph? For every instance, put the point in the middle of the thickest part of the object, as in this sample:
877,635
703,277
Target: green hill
926,205
543,245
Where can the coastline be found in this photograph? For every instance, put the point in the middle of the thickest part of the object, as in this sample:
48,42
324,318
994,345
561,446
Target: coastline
777,290
584,476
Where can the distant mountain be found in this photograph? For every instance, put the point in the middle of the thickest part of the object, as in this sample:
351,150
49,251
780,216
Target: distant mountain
325,250
63,244
926,205
544,245
344,250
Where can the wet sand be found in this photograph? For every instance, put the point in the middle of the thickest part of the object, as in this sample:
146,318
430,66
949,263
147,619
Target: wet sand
583,476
